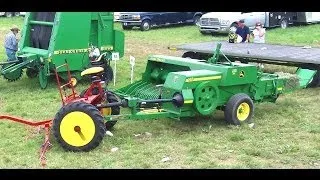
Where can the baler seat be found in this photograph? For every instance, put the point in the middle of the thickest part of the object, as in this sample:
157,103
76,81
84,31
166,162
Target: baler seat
92,71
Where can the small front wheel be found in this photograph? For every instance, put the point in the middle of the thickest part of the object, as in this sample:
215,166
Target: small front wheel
239,109
115,110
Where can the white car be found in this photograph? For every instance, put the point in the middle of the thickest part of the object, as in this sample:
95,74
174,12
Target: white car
116,16
10,14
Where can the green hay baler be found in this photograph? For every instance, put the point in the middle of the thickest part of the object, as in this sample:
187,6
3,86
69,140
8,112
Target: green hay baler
49,39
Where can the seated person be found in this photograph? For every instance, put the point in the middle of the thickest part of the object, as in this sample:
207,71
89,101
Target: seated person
259,34
243,31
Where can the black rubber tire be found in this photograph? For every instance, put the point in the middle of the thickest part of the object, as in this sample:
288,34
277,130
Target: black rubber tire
284,23
91,111
315,81
108,73
115,110
192,55
230,111
196,20
189,54
145,25
31,73
8,14
16,13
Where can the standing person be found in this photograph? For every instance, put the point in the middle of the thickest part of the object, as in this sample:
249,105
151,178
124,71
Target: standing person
11,43
243,31
259,34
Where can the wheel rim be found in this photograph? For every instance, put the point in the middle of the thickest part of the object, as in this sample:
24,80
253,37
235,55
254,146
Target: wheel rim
205,98
74,81
197,21
77,129
283,24
146,26
106,111
43,78
243,111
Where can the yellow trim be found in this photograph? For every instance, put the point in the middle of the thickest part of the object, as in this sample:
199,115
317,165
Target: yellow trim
241,75
106,111
82,120
71,51
279,88
84,50
173,48
74,81
192,79
92,70
243,111
151,111
188,101
106,48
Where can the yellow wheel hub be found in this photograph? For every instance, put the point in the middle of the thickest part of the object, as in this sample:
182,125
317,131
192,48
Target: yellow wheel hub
77,129
74,81
106,111
243,111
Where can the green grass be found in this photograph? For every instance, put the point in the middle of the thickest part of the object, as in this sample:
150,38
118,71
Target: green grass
287,133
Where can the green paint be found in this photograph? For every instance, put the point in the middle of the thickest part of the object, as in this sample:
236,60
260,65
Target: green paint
205,86
71,36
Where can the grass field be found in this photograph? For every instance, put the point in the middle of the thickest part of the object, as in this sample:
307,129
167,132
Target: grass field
287,133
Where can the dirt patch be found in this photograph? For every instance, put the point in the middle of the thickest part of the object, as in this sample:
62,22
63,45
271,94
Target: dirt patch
142,50
228,162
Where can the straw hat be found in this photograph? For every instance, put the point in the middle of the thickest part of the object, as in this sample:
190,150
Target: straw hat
15,27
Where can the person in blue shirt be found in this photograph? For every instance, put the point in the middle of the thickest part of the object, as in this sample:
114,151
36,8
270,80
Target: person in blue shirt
11,43
243,31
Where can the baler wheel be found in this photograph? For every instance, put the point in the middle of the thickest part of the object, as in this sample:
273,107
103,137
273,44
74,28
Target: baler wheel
315,82
31,73
79,126
115,110
108,73
239,109
189,54
206,96
13,76
43,78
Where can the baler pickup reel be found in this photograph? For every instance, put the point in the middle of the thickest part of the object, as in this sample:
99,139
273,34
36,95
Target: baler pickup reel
13,70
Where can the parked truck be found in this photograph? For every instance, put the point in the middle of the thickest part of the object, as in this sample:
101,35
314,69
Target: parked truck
146,20
221,22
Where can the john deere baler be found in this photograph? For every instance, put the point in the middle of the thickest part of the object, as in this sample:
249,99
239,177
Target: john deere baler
49,39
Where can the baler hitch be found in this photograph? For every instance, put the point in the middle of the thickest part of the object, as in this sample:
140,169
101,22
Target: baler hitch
10,62
177,100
